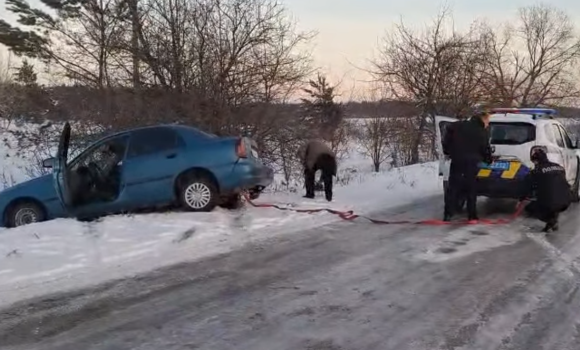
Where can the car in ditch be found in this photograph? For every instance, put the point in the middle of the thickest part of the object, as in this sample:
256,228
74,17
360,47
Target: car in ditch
146,167
514,134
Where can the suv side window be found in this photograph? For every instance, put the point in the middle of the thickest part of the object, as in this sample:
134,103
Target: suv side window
557,135
567,140
153,140
549,132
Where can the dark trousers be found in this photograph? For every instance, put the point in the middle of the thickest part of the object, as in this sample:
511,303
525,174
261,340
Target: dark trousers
327,165
462,182
540,212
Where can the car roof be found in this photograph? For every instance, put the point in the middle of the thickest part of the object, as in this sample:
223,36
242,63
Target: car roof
514,118
522,115
171,126
521,118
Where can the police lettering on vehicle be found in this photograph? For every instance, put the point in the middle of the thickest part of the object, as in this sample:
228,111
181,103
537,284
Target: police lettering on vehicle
552,168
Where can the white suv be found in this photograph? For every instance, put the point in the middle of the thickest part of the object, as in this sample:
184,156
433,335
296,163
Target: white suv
514,133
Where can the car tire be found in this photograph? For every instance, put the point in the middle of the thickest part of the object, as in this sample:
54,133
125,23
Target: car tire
576,187
232,202
24,213
198,193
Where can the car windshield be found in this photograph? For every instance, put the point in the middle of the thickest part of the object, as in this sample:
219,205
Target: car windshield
511,133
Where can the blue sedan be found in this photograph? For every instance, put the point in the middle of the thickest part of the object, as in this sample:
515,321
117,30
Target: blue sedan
147,167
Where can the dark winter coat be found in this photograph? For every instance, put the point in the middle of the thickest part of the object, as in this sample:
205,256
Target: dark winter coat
548,181
312,152
467,141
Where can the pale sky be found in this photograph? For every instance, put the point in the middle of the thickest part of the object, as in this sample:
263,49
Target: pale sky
349,30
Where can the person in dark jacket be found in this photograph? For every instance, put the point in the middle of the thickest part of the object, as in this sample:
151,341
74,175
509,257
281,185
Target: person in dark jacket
466,143
553,194
316,155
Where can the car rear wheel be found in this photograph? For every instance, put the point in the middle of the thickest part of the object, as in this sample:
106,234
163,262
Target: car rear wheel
24,213
198,193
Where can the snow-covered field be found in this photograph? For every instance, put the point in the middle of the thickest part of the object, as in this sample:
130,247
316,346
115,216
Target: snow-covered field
64,254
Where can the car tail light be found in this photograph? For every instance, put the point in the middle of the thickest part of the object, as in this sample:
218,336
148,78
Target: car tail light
535,148
241,149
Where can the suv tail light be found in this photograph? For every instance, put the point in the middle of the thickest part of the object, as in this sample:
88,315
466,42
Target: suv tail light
241,149
535,148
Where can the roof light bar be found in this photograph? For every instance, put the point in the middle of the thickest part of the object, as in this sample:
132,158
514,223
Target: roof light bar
532,111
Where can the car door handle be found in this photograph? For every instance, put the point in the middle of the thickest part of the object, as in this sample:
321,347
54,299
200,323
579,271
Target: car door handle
171,156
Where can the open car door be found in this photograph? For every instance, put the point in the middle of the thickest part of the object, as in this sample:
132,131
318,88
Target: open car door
60,173
442,123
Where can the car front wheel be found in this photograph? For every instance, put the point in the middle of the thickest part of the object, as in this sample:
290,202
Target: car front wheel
24,213
198,193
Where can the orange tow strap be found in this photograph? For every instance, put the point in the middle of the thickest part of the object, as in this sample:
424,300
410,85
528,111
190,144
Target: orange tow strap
350,215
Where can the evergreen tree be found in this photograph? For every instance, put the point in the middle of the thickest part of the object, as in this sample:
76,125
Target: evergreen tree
320,110
25,74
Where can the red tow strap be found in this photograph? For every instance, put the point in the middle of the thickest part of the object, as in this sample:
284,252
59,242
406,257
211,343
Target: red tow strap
350,215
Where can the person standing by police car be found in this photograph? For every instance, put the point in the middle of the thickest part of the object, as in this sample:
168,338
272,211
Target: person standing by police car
466,143
553,194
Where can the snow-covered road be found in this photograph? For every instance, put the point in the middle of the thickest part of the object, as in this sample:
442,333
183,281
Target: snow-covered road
341,286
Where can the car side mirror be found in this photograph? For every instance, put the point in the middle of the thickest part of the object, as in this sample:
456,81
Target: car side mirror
576,143
492,149
48,163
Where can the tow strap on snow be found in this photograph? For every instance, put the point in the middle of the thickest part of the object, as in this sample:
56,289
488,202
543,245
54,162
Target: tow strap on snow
350,215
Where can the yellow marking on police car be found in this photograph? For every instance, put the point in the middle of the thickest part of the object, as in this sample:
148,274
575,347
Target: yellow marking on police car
512,171
484,173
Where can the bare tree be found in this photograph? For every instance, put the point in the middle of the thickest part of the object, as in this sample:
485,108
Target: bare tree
78,40
435,69
375,139
544,71
5,68
5,88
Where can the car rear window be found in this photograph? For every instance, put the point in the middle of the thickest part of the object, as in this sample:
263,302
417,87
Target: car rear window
511,133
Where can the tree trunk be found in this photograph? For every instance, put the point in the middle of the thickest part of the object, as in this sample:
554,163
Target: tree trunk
133,7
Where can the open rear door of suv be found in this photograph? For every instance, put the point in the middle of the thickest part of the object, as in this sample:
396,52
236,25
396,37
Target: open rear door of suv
442,124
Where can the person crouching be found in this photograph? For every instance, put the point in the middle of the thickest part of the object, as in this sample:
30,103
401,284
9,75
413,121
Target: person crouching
553,193
316,155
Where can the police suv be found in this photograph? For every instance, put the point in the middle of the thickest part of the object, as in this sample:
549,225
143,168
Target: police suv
514,134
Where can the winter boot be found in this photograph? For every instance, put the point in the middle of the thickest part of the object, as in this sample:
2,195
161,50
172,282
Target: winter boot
551,226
